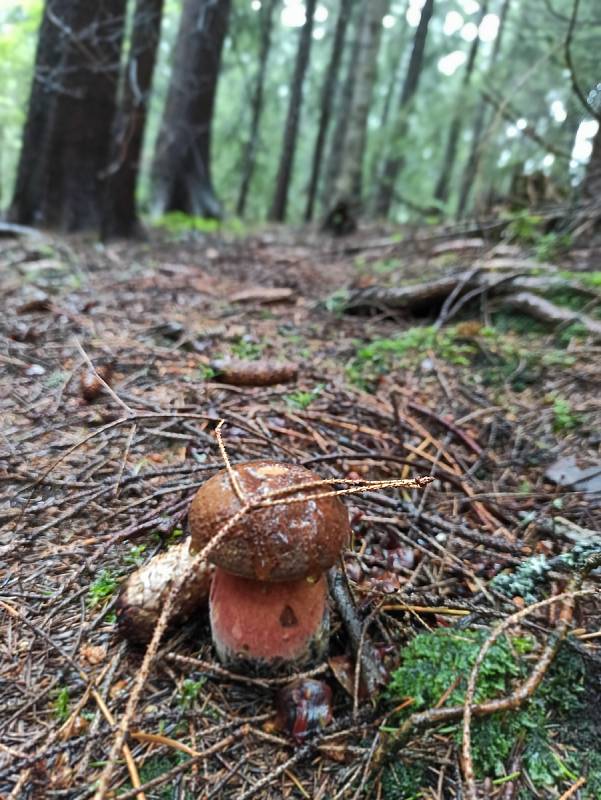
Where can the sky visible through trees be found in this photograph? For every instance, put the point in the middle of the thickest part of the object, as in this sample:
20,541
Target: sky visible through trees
401,120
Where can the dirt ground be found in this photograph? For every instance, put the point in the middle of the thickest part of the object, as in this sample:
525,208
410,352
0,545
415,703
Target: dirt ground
504,415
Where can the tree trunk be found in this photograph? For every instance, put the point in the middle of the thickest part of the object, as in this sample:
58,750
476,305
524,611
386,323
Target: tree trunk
394,162
250,152
49,66
591,186
71,111
348,183
327,93
181,172
282,184
397,45
471,168
120,218
342,114
441,193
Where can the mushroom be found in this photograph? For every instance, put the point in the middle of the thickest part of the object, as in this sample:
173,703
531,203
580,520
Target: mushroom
142,595
268,602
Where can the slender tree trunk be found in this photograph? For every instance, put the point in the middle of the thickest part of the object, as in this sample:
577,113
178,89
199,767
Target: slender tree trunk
282,184
345,102
327,94
348,183
395,72
72,107
395,161
181,172
250,152
441,192
471,168
591,186
120,217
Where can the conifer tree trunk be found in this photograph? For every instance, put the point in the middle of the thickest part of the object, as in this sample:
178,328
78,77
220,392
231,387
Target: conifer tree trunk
327,94
336,147
279,203
471,168
395,161
181,172
399,48
591,187
348,184
71,110
49,65
120,217
441,192
250,152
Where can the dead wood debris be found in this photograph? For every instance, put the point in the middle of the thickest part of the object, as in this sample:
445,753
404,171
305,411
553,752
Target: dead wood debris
516,291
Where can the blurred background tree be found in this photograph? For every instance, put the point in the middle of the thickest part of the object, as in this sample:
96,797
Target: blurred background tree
411,109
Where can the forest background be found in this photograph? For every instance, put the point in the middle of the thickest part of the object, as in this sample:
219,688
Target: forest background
446,117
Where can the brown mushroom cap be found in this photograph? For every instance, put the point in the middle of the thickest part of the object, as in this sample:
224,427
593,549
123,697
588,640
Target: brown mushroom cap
280,543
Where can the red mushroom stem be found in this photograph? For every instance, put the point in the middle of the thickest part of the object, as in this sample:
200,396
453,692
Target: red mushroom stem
268,624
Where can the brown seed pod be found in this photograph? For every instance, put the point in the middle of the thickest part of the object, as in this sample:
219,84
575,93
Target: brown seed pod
90,383
254,373
304,708
142,595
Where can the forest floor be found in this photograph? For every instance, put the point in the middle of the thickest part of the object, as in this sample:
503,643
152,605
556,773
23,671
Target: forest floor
502,410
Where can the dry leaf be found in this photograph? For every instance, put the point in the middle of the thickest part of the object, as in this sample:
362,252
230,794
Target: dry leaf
75,726
93,654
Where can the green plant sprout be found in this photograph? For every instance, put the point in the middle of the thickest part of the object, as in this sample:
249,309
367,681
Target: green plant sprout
102,587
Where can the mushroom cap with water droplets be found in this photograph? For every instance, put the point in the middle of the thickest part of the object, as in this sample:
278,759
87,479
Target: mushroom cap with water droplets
282,542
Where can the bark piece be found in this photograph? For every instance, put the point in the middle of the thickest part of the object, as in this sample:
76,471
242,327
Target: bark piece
565,472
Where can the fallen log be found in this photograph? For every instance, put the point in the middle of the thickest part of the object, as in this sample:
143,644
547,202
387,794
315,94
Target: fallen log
418,295
538,307
12,229
452,292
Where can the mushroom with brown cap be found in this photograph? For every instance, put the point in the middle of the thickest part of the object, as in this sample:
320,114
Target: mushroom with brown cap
269,597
